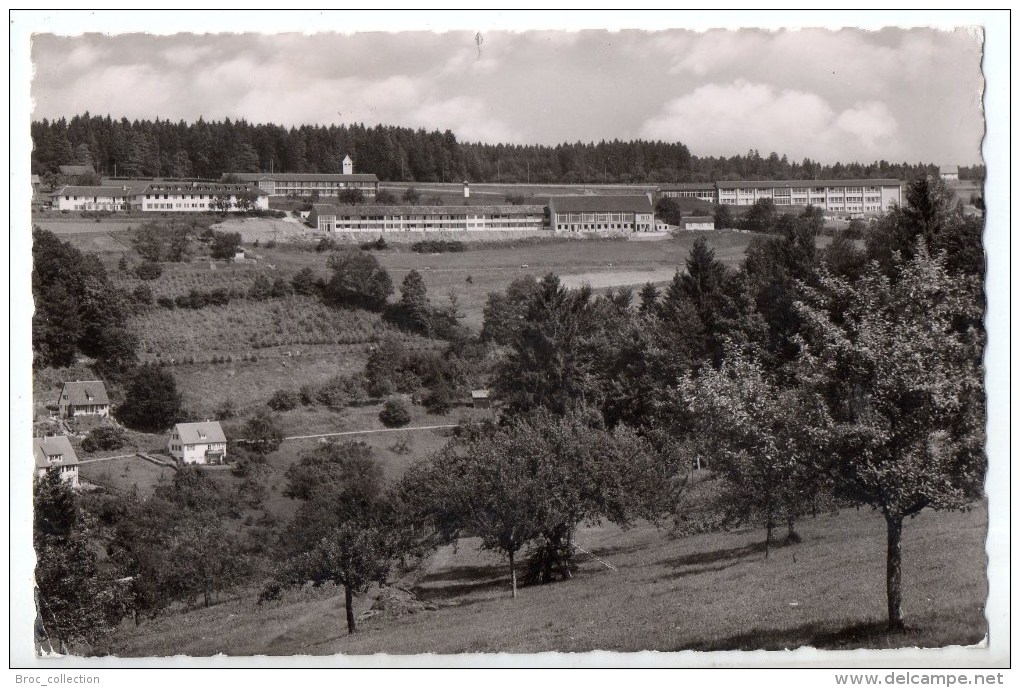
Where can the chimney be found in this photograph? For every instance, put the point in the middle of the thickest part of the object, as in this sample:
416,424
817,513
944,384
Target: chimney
467,189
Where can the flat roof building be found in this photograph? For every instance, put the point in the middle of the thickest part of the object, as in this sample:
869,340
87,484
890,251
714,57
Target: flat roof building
852,196
331,218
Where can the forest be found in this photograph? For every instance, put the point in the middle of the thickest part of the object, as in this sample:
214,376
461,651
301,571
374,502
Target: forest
202,149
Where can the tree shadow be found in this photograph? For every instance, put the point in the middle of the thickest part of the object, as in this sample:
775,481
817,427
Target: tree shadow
719,555
460,581
861,634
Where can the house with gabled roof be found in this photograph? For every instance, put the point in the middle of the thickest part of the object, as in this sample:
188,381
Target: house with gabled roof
83,398
55,454
201,443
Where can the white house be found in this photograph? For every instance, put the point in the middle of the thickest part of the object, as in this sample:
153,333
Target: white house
198,443
56,454
699,222
177,197
950,173
83,398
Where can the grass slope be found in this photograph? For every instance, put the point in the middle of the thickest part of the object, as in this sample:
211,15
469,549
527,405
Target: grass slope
705,592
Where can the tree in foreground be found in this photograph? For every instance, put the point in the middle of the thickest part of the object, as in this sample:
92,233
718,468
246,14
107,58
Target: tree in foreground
531,483
76,602
765,441
262,433
343,532
900,371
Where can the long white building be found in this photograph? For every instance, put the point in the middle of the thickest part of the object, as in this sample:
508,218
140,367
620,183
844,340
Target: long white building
853,196
421,218
195,197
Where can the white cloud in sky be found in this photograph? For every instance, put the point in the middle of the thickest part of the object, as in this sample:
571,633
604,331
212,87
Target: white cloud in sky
739,116
831,95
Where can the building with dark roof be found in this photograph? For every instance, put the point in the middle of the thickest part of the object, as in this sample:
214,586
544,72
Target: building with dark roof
55,454
426,218
601,214
83,398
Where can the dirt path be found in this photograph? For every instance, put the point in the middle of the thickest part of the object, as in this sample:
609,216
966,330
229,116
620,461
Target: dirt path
369,432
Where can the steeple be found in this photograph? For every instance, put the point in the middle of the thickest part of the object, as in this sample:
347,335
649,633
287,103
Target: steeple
348,165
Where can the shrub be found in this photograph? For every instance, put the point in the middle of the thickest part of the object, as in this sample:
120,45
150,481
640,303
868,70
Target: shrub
341,392
142,294
395,413
225,245
104,439
149,270
304,282
284,400
326,244
377,245
438,246
225,411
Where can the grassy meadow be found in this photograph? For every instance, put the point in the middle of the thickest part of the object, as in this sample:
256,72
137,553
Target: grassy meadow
705,592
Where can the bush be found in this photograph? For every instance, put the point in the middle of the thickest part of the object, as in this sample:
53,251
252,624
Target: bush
166,302
104,439
326,244
304,282
142,294
284,400
149,270
225,245
341,392
438,246
377,245
225,411
395,413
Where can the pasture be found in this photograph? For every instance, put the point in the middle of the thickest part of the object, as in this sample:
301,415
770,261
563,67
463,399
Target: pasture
705,592
125,475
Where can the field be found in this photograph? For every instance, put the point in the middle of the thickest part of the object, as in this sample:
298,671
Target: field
705,592
125,475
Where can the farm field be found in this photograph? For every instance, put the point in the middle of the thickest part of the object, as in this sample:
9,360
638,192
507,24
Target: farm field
704,592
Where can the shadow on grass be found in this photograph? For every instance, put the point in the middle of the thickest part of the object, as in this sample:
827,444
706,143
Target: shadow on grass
460,581
865,634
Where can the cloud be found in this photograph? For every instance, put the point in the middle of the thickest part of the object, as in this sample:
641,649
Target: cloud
735,117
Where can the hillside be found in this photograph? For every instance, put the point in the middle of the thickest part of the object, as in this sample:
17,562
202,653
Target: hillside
704,592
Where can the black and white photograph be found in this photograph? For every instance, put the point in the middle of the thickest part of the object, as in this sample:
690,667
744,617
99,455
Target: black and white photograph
515,340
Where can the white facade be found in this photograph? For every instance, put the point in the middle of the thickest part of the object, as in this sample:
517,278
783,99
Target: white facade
848,196
199,443
381,219
160,197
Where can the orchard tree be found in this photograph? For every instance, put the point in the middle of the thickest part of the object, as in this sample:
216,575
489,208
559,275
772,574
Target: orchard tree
351,196
358,281
225,245
151,399
765,441
899,366
262,433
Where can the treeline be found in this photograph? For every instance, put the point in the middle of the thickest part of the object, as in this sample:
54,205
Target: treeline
161,148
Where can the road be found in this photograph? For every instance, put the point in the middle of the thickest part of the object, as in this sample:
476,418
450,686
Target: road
369,432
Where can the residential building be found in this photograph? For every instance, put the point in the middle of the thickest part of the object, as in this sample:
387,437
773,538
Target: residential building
198,443
480,398
698,222
83,398
850,196
950,173
601,213
424,218
36,183
55,454
159,196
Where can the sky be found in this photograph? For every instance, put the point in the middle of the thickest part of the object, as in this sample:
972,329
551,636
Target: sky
848,95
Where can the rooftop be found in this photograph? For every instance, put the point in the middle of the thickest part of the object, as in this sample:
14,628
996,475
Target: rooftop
58,445
84,392
363,210
600,204
807,183
109,191
201,433
301,177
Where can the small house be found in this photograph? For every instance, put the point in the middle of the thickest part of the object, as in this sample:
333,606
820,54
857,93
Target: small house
699,222
55,454
950,173
202,443
83,398
239,256
480,398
